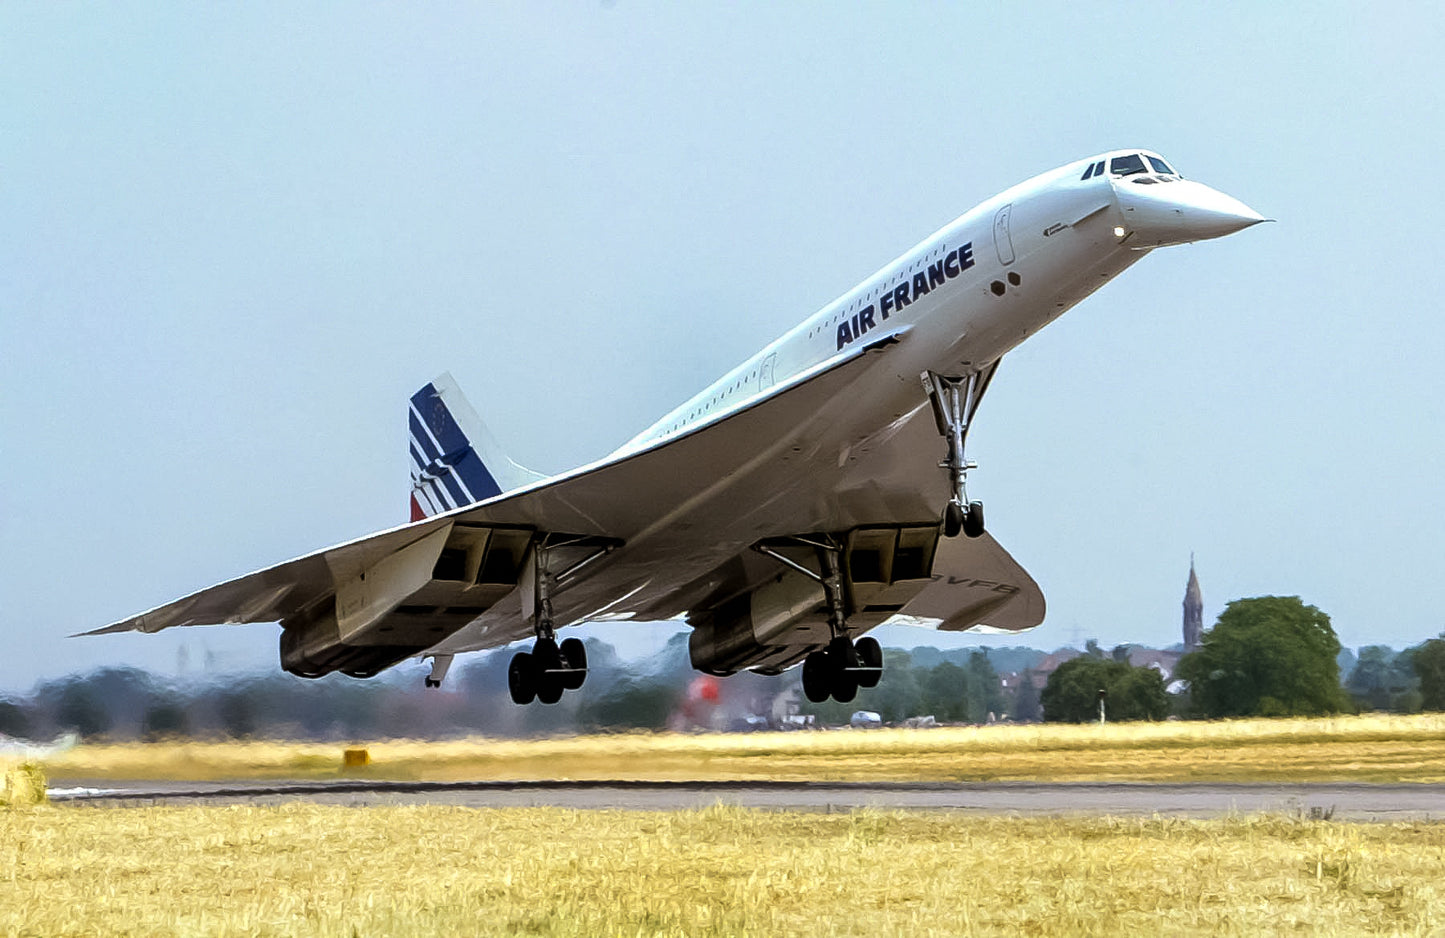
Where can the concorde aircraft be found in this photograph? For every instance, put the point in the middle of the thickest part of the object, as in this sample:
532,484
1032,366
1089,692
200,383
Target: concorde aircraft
812,493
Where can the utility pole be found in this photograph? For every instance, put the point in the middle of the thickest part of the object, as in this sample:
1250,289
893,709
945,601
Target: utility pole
1102,694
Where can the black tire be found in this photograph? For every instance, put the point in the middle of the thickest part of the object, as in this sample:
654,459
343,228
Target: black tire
549,688
521,679
546,653
973,521
870,655
841,656
545,657
574,654
816,685
844,652
952,519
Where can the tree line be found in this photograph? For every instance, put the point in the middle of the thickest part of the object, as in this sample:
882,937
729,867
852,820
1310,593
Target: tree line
661,693
1266,656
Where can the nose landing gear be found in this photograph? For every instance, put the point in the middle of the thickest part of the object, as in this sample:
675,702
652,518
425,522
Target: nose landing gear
954,400
956,518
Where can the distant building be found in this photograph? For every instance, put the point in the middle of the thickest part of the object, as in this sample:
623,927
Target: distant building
1038,675
1193,611
1162,661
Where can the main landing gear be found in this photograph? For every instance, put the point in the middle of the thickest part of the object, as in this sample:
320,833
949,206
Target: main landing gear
843,666
954,401
550,668
840,669
547,670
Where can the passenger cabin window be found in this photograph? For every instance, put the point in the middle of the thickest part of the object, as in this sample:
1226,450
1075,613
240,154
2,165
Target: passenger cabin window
1160,166
1127,165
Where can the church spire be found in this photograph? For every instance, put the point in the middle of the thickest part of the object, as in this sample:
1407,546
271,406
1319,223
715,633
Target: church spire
1193,610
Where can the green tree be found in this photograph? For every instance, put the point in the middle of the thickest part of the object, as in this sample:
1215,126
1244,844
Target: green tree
237,712
1428,661
635,704
985,691
896,698
945,692
1072,692
1266,656
1383,680
14,721
1026,706
166,719
79,710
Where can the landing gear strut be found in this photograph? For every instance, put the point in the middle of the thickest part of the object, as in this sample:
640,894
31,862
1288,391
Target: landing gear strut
440,664
954,401
550,668
843,666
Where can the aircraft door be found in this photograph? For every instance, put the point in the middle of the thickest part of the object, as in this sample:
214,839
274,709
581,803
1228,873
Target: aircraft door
765,372
1002,241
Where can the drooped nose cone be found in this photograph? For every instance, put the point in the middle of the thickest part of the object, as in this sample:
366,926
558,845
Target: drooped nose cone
1178,211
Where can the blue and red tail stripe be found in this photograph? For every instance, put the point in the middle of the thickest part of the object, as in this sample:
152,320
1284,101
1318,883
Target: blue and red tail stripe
446,470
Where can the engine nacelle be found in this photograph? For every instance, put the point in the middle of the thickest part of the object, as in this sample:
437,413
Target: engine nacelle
319,647
400,605
779,622
767,628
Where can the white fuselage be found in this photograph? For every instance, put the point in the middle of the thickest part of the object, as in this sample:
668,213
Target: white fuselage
958,323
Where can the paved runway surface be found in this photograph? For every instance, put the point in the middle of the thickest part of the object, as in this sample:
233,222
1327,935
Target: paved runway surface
1342,801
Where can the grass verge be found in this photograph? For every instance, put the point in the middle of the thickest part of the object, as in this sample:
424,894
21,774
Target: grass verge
1371,748
327,870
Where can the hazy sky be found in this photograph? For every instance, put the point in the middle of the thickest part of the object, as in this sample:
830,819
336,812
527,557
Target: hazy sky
235,238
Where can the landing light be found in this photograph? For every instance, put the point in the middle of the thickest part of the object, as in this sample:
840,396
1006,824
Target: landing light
1119,231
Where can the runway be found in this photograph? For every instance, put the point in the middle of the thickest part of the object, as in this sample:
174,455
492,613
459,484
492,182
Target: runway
1321,800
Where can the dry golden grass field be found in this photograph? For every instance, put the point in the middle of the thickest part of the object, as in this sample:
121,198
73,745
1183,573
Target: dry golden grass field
305,869
1371,748
437,871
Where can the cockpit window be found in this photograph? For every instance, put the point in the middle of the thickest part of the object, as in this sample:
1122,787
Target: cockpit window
1127,165
1160,166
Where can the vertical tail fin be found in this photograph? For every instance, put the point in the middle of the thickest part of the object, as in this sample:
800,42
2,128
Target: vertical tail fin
455,460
